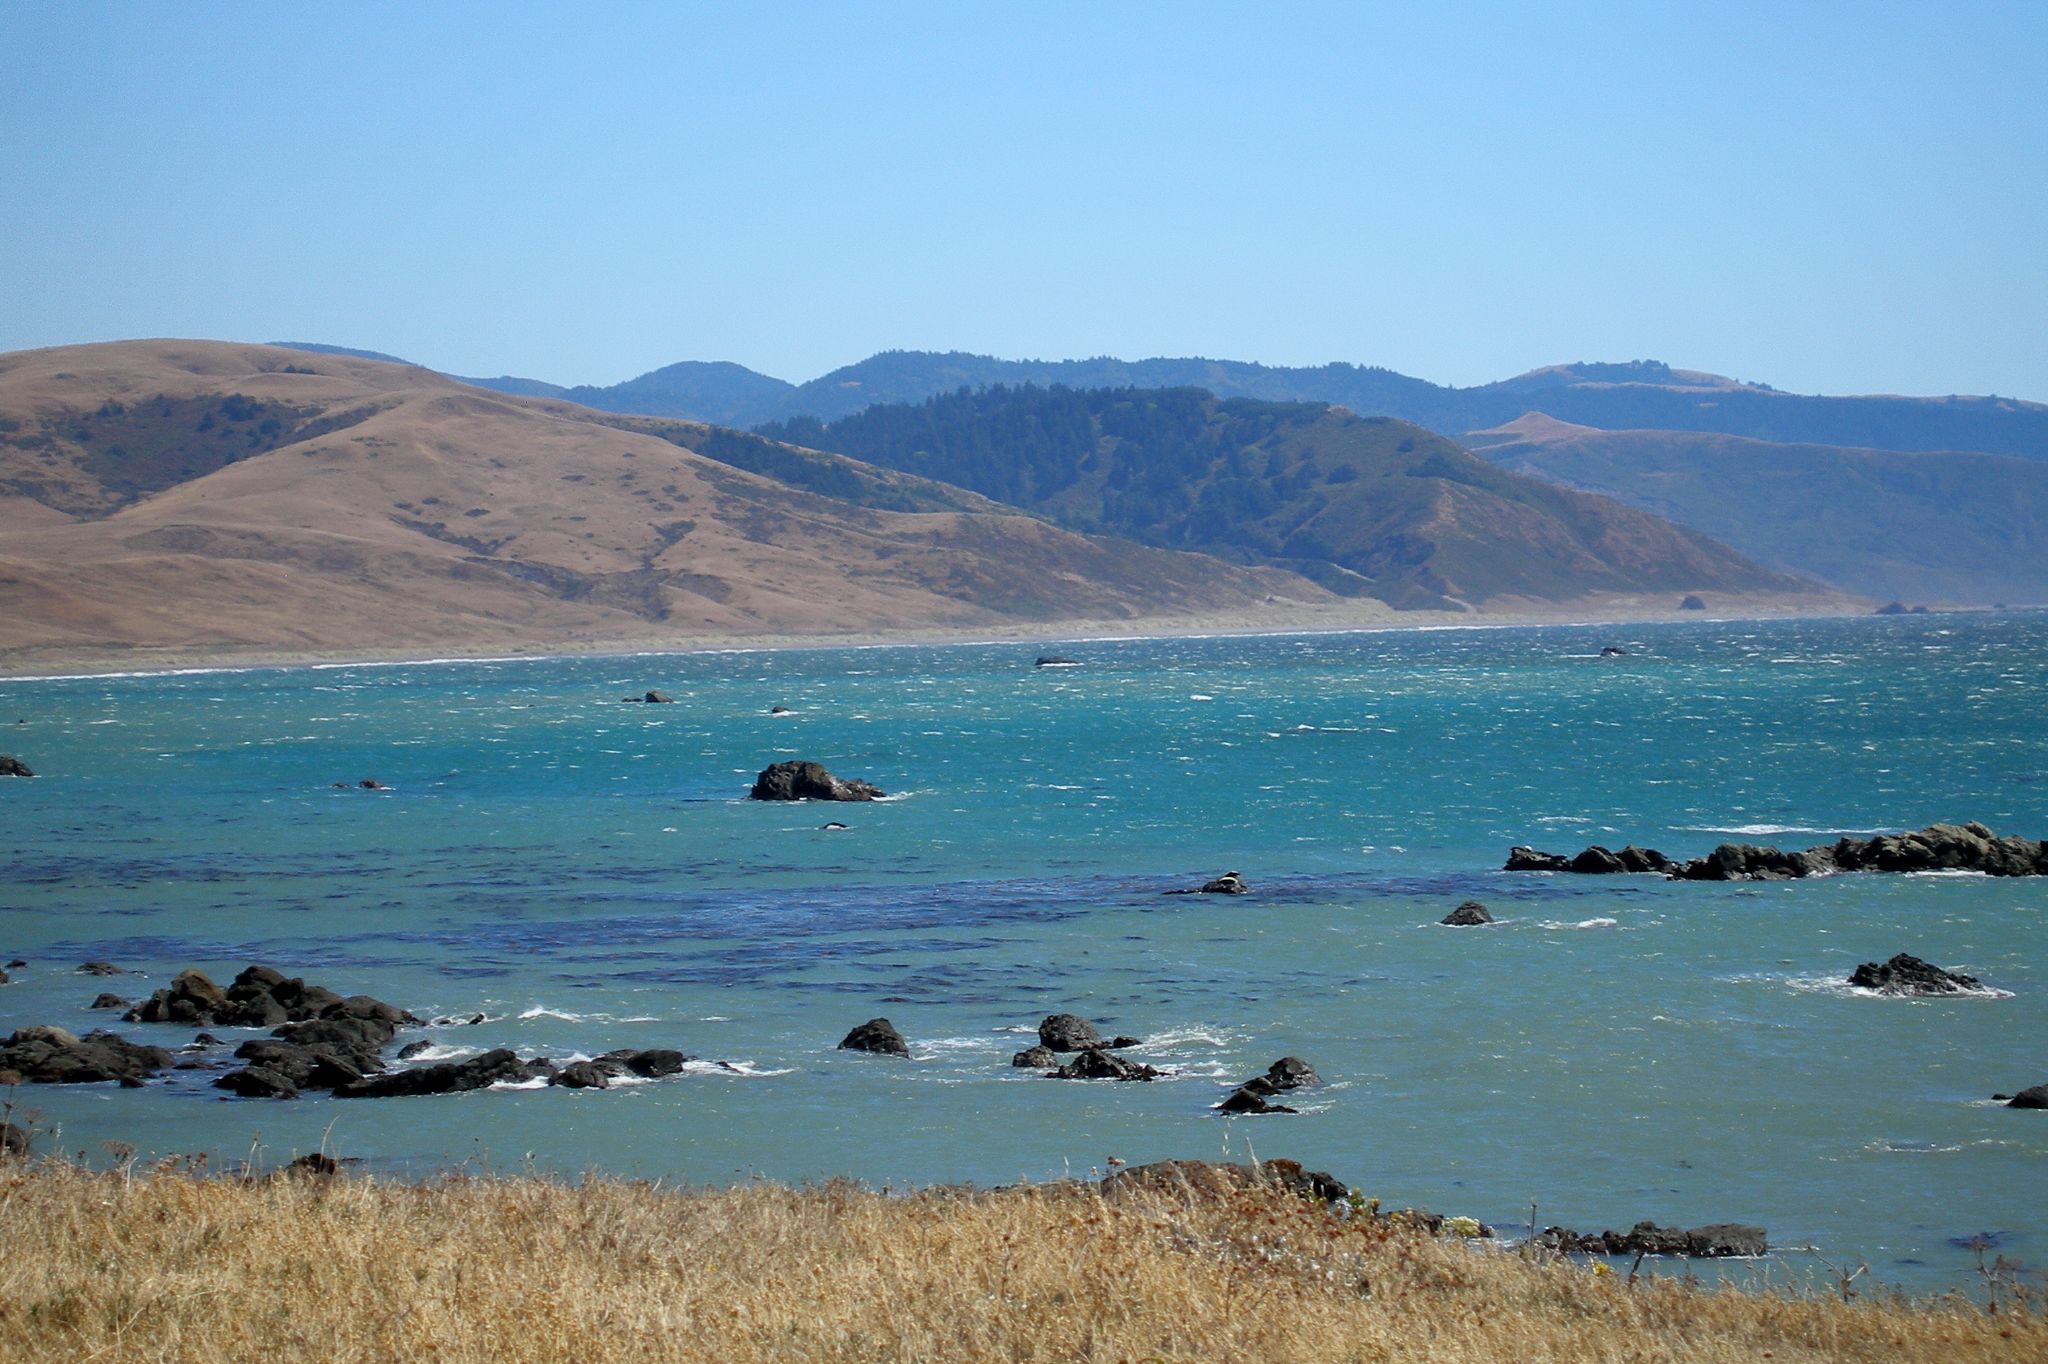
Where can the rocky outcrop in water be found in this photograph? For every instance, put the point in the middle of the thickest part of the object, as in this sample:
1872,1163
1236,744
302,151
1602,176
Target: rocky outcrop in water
1036,1058
1097,1064
13,767
100,968
1908,975
1230,883
1067,1032
2036,1097
1938,847
808,781
1471,914
1209,1179
1720,1240
653,698
446,1077
52,1056
1256,1094
876,1035
260,997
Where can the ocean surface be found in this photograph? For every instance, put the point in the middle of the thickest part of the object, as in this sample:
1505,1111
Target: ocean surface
588,875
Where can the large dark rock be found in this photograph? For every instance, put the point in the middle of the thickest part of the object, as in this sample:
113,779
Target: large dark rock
1067,1032
1096,1064
1528,859
581,1075
808,781
878,1035
2036,1097
1252,1098
1038,1058
654,1062
258,1082
1908,975
315,1065
1291,1072
449,1077
13,767
52,1056
1471,914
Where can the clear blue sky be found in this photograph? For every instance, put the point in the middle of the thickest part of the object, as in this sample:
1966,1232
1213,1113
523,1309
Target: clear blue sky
1827,197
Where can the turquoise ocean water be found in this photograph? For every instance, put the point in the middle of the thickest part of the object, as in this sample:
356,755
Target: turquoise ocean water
586,874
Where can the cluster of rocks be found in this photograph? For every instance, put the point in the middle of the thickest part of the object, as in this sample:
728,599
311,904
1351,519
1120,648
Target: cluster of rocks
808,781
1720,1240
1256,1094
1938,847
1594,861
13,767
260,997
1094,1057
320,1040
1905,974
366,784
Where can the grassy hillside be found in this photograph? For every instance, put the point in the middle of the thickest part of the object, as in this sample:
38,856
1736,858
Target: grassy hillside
181,494
1366,505
167,1266
1948,527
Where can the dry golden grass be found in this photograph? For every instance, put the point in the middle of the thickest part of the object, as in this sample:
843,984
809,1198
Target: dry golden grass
168,1266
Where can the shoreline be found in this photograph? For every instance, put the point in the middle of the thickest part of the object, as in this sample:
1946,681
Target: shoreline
56,662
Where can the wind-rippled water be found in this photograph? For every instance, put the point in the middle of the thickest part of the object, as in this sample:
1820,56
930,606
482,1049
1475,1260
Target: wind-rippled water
586,874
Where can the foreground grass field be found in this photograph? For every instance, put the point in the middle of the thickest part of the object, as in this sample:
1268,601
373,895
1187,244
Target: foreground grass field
169,1266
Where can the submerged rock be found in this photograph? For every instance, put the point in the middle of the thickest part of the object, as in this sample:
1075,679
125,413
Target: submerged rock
876,1035
1230,883
581,1075
1037,1058
1471,914
100,968
1908,975
13,767
808,781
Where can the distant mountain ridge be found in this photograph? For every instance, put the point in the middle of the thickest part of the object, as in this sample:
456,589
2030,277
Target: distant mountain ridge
1639,395
1367,506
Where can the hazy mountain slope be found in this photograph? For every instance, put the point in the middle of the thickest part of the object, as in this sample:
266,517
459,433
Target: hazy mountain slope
1635,396
1365,504
202,493
1919,527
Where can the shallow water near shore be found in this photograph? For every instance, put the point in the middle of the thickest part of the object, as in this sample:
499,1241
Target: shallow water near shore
586,874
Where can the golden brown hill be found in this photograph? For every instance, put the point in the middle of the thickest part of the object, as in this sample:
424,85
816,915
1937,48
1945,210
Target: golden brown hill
215,496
